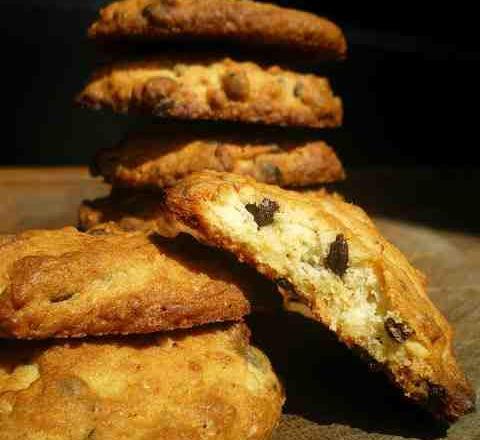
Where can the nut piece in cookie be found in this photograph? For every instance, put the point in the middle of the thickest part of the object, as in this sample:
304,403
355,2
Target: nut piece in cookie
201,383
159,155
182,87
63,283
260,26
327,255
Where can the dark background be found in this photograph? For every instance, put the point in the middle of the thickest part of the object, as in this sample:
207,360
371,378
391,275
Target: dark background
410,85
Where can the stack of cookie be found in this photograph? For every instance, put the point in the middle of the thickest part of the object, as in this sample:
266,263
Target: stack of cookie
196,85
146,382
139,269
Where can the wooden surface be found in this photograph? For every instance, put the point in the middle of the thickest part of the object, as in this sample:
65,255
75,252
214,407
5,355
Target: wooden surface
330,394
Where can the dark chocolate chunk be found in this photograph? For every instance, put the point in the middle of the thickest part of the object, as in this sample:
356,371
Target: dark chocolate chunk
398,331
236,86
337,258
264,213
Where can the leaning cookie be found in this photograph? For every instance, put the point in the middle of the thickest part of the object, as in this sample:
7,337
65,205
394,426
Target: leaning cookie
64,283
247,23
214,89
160,155
331,263
202,383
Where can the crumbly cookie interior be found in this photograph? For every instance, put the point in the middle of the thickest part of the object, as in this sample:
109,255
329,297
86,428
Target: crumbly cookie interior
320,272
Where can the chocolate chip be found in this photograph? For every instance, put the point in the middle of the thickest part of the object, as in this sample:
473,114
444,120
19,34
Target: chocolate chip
156,12
60,297
156,94
398,331
272,173
236,86
337,258
264,213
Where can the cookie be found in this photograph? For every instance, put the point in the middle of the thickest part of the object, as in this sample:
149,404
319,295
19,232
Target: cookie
131,211
244,23
161,155
63,283
196,384
331,263
182,87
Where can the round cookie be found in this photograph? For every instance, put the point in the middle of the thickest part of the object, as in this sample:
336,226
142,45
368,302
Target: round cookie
207,383
161,154
245,23
182,87
63,283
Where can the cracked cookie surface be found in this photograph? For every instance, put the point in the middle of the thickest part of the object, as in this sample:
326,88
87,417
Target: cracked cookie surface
332,264
194,384
182,87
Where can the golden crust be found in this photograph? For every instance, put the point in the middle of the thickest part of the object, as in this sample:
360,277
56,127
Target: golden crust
161,155
216,89
131,211
195,384
64,283
406,333
244,22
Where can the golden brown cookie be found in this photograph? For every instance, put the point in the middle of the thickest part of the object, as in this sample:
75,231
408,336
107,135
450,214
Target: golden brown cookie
215,89
160,155
331,263
131,211
197,384
64,283
246,23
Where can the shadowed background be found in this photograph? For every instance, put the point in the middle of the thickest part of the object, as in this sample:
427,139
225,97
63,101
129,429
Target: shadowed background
408,86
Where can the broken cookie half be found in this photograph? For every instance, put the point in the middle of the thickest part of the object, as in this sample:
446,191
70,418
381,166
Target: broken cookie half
331,263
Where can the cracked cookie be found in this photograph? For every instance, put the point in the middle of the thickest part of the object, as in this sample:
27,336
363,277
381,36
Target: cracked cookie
332,264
